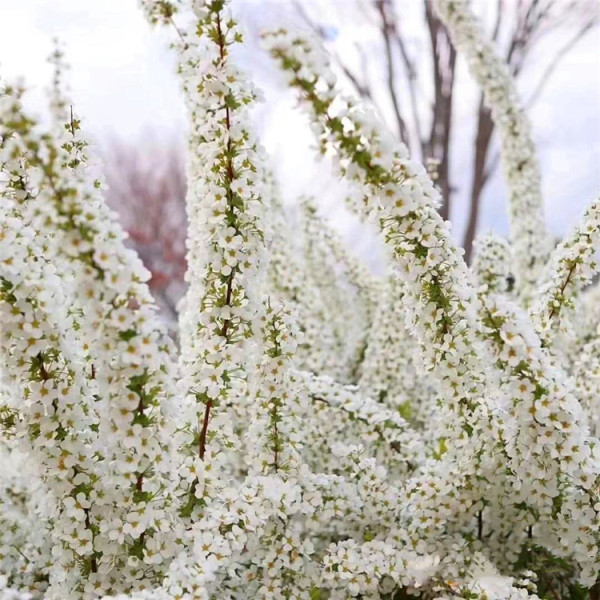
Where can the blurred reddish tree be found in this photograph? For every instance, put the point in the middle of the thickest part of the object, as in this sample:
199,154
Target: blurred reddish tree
147,187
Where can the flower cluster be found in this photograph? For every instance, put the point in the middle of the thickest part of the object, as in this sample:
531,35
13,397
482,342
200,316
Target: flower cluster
54,412
336,296
226,245
321,433
123,348
573,266
492,265
530,240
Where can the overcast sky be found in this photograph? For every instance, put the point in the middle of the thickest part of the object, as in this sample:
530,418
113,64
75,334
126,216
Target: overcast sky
123,87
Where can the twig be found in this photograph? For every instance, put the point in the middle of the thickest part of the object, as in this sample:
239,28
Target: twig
551,67
386,29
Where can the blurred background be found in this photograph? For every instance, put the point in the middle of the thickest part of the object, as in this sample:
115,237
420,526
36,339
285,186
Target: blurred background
394,54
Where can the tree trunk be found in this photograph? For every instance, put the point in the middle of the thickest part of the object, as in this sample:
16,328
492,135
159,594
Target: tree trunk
485,128
438,145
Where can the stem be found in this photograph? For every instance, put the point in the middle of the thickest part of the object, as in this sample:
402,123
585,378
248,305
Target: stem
230,176
94,563
138,486
202,439
43,372
185,44
276,447
554,309
21,553
230,172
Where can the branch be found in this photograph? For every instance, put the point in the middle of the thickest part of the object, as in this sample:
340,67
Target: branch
386,31
411,73
560,54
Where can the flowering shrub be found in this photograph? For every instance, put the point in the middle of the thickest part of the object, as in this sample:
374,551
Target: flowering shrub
322,433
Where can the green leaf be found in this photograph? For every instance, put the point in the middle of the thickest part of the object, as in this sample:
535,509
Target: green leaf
127,335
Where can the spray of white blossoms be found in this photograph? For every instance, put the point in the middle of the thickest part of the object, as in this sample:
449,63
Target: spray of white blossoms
530,243
322,433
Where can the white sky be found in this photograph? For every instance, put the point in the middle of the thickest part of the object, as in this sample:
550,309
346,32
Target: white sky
123,87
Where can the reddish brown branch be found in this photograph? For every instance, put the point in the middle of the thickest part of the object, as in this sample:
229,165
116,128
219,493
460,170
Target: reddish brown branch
204,431
230,176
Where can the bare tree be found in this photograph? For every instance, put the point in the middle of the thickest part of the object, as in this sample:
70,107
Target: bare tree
517,26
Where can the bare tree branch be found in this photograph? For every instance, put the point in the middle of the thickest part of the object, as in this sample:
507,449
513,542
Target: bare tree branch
411,74
386,31
560,54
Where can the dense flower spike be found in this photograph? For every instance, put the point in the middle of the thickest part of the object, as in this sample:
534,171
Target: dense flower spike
56,416
274,438
226,241
380,429
339,331
126,348
322,433
357,274
530,239
226,245
400,197
572,266
388,371
493,266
